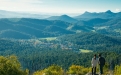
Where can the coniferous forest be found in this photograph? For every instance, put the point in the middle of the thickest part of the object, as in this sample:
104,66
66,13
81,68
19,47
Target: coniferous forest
60,45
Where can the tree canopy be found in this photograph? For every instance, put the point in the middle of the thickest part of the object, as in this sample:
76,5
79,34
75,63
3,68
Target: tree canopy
11,66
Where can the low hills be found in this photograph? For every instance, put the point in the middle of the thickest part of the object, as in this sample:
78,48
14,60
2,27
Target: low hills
55,26
65,18
27,28
31,28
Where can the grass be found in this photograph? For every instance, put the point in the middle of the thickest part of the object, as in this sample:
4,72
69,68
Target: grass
102,27
69,27
85,51
118,30
49,38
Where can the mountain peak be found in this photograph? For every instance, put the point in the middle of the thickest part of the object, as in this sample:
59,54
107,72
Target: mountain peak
86,12
64,16
109,12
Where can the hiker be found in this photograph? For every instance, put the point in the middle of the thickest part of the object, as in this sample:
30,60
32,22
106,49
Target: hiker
101,62
94,63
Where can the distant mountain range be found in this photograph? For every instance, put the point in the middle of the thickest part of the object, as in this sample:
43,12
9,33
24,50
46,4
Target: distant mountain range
107,23
11,14
25,35
104,15
85,16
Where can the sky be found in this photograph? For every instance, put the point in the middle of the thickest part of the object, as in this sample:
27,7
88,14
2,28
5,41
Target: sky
60,6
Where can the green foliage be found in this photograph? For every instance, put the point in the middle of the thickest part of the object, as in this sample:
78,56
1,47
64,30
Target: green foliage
117,70
11,66
93,41
39,72
79,70
106,69
54,70
38,58
51,70
85,51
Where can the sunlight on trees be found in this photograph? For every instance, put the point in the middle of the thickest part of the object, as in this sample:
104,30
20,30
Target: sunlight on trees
11,66
117,70
57,70
79,70
39,72
52,70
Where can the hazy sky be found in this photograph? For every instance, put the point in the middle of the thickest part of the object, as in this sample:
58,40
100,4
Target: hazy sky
60,6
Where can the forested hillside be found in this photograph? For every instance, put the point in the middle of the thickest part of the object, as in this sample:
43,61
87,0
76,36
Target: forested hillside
62,42
32,28
35,57
27,28
70,63
94,41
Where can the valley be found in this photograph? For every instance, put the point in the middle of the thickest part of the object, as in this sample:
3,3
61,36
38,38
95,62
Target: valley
61,40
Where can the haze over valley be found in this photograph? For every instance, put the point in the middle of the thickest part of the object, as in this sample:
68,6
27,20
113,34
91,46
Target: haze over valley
44,34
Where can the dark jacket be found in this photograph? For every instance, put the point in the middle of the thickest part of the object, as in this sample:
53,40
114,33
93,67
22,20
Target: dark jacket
101,61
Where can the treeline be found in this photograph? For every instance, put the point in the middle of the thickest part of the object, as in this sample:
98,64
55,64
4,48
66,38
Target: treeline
35,59
93,41
11,66
40,59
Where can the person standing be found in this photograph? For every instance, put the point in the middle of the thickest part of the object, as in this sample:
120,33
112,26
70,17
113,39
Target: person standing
101,62
94,63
